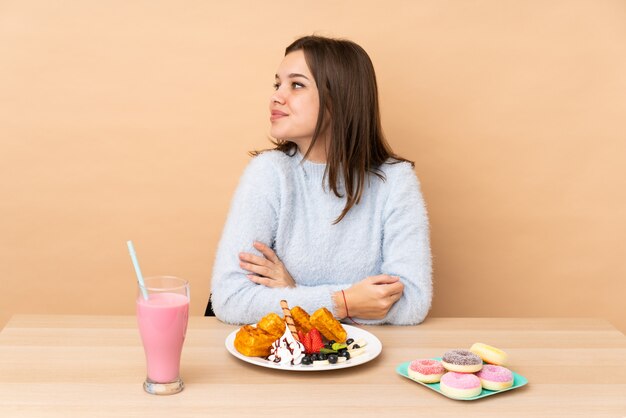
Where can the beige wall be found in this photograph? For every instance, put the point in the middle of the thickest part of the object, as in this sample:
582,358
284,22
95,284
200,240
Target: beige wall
131,120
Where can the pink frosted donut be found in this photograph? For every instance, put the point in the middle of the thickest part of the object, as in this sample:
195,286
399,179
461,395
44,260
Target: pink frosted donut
495,377
426,370
460,385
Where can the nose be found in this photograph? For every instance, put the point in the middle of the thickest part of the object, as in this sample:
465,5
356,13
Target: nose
277,97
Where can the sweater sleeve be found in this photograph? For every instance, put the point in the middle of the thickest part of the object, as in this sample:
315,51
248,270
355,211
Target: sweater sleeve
406,247
254,216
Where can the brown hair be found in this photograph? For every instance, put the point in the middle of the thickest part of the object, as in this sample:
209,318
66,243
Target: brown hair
347,87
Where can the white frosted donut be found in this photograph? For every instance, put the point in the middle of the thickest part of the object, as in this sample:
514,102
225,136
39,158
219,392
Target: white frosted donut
489,354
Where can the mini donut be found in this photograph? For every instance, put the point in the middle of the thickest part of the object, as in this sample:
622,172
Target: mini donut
495,377
426,370
460,385
461,361
489,354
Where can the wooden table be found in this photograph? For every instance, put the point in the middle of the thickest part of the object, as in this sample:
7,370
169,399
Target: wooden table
93,366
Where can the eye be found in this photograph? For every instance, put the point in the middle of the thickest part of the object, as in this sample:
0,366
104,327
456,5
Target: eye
296,85
276,86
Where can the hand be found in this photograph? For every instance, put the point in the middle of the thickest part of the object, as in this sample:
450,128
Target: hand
371,298
268,270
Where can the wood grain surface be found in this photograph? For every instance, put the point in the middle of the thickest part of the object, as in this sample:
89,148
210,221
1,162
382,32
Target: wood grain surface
93,366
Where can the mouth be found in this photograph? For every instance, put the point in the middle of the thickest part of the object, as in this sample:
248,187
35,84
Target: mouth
277,114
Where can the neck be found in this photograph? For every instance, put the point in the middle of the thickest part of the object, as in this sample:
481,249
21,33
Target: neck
318,153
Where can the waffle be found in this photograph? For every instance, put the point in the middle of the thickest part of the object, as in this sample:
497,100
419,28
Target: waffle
256,341
301,319
328,326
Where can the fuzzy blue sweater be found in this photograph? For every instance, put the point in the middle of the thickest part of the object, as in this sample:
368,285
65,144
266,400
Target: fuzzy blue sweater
283,202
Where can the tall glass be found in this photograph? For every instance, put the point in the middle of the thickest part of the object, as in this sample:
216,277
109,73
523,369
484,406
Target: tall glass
162,320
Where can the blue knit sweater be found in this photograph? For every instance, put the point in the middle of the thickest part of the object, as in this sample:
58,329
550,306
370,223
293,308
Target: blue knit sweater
282,202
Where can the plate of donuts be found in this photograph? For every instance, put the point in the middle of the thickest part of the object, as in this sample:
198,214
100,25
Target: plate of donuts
464,374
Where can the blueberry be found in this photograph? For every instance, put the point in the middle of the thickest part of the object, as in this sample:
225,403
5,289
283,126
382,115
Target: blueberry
322,357
332,358
313,357
306,360
349,341
356,346
345,354
331,342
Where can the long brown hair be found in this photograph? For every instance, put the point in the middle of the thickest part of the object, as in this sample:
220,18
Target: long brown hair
347,87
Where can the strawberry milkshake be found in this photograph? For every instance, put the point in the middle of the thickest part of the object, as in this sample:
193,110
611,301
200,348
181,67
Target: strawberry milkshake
162,320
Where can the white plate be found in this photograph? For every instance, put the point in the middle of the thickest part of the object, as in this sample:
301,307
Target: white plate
372,350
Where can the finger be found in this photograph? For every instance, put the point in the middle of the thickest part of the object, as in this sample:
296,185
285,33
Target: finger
396,288
395,297
266,251
390,290
265,281
384,279
260,270
253,259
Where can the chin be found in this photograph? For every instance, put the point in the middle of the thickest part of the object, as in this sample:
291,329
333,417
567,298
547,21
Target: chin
277,135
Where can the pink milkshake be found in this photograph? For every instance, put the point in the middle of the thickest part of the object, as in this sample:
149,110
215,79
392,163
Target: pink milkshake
162,320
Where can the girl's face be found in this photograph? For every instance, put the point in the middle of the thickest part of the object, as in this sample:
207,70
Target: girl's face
294,106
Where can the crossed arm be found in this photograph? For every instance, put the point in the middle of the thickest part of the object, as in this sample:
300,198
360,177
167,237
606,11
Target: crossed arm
371,298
